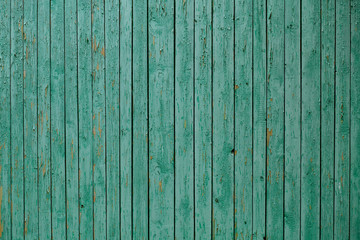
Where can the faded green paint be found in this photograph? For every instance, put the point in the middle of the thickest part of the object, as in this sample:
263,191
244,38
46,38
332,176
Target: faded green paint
184,123
193,119
310,120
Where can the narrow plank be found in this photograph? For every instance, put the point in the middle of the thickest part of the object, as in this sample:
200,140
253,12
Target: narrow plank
112,118
223,119
355,122
292,121
5,134
259,118
44,119
310,121
243,117
184,129
57,116
98,122
327,118
71,118
203,119
126,118
85,119
17,119
275,120
342,120
30,120
161,119
140,121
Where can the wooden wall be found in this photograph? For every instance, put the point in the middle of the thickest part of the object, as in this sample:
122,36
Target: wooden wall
192,119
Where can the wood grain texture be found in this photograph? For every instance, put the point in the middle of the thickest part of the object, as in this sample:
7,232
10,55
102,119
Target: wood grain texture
98,118
310,120
30,120
17,119
342,120
140,121
355,121
190,119
57,120
223,119
243,119
85,119
184,123
259,122
5,119
292,121
161,119
203,118
43,98
126,124
327,118
112,119
275,120
71,118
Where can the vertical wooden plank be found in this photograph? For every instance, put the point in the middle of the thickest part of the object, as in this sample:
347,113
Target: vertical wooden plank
71,118
327,118
275,119
223,117
85,119
184,129
126,117
342,119
5,134
98,106
57,97
112,118
243,117
310,120
44,119
259,122
355,122
140,120
30,120
161,118
17,119
292,121
203,119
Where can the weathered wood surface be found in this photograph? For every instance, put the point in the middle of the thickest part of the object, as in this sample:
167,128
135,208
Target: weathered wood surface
194,119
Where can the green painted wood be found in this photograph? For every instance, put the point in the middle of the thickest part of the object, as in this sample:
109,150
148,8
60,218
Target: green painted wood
30,120
191,119
292,121
184,124
85,119
259,119
57,120
355,122
243,119
5,134
140,121
310,120
342,120
112,119
223,119
161,119
275,120
126,106
43,98
203,119
71,119
17,119
327,118
98,120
